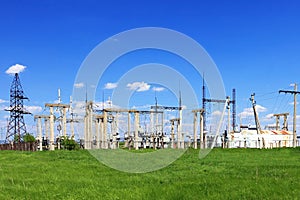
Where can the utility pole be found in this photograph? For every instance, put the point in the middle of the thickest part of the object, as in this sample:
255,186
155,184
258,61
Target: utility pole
257,123
295,92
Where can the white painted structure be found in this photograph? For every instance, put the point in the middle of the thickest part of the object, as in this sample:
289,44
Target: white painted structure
267,139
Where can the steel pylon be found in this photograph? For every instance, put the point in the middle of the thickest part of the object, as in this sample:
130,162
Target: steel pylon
16,127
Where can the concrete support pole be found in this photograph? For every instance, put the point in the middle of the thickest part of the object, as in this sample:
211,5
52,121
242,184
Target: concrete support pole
104,130
226,142
97,133
181,141
172,134
128,130
201,131
156,122
178,135
111,135
116,123
64,122
101,133
151,123
195,129
116,131
51,145
91,132
285,122
46,122
129,122
277,123
39,127
136,130
72,128
85,130
162,123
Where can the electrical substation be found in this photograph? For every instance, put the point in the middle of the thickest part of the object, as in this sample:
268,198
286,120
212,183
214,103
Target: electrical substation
114,127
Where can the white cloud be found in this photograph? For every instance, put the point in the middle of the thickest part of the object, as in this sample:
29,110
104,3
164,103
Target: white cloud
248,112
158,89
138,86
34,109
107,104
217,113
260,108
3,101
110,86
79,85
269,116
17,68
292,84
292,103
184,107
56,101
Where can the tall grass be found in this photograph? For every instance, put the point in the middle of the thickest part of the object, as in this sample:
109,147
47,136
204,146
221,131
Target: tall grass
223,174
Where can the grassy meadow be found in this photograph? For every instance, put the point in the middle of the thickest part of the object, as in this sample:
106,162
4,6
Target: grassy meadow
223,174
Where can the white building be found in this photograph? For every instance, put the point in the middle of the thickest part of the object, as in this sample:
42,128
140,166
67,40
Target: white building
249,138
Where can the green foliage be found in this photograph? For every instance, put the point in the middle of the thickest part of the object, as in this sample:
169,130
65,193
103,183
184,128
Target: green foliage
28,138
223,174
16,138
69,144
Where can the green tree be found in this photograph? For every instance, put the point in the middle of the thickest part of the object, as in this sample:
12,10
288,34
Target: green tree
28,138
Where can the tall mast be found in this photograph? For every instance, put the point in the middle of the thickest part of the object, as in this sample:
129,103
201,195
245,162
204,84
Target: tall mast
16,126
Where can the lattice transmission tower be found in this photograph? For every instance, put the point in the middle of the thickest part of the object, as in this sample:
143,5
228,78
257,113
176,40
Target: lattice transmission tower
16,127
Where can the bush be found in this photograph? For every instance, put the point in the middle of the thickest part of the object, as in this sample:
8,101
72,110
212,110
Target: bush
69,144
28,138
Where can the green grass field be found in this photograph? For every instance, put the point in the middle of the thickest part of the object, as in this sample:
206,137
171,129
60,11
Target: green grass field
223,174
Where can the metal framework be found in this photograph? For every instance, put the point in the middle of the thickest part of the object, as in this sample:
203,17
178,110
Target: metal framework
16,126
233,102
284,115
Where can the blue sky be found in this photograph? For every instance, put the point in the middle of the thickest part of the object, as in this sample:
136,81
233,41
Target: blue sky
255,44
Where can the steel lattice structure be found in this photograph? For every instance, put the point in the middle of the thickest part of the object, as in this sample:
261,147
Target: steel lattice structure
16,126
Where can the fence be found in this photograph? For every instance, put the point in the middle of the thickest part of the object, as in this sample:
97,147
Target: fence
22,146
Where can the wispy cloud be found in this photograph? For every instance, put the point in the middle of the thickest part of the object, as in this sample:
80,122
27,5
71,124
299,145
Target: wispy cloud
34,109
269,116
79,85
158,89
17,68
110,86
138,86
292,103
249,111
3,101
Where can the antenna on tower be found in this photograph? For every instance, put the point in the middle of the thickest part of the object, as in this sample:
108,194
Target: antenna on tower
103,100
155,99
59,99
86,98
180,102
71,104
